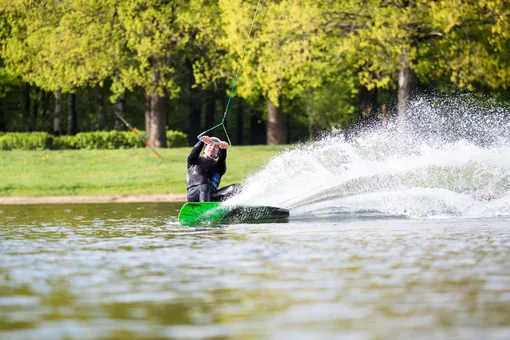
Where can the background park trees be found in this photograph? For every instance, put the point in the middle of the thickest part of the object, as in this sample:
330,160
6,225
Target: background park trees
68,65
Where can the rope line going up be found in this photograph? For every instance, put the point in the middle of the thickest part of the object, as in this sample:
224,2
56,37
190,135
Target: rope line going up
235,81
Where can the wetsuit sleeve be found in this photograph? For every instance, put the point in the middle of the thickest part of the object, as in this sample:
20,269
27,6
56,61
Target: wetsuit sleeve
222,164
195,153
222,156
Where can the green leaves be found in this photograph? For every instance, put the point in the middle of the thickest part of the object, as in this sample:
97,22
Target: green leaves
280,54
297,48
83,140
58,44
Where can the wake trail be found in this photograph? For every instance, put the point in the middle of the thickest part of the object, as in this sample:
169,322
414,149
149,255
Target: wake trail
449,159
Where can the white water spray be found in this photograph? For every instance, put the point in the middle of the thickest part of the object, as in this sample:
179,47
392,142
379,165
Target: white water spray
450,159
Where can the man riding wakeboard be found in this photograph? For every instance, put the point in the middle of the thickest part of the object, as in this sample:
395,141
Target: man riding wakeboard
205,172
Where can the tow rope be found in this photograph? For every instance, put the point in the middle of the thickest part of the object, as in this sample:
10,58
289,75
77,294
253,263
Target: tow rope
234,84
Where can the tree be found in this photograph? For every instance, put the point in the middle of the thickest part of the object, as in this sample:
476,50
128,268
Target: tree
56,46
162,36
473,43
411,40
202,54
279,60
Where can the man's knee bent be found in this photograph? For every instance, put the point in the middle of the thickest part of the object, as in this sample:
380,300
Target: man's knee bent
205,192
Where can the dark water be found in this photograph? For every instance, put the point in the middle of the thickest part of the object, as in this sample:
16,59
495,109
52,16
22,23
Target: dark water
129,271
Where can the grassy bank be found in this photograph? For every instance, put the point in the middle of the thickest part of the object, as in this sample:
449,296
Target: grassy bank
110,172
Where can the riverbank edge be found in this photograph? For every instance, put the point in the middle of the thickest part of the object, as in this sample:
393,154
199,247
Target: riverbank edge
93,199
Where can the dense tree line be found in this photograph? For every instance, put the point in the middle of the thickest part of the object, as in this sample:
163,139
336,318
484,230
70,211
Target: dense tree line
69,65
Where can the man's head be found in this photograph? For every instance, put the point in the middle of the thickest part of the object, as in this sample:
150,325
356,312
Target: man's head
212,148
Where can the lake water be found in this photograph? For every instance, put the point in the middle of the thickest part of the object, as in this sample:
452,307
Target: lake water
129,271
396,233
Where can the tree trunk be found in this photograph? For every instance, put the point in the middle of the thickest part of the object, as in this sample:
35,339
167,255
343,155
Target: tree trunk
157,136
71,114
367,104
119,111
148,115
276,129
156,124
406,81
240,124
194,106
58,112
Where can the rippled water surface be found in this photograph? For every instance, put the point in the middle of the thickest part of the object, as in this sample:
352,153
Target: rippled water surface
128,271
399,232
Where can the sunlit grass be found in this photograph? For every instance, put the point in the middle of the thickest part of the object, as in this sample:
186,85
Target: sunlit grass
107,172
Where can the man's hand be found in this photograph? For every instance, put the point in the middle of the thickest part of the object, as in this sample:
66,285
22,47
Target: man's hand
224,145
205,139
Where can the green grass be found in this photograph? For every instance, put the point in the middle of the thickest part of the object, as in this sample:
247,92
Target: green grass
108,172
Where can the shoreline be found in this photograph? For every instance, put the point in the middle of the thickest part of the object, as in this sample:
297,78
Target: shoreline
93,199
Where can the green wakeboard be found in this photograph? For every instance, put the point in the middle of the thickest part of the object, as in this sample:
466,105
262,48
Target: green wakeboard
213,213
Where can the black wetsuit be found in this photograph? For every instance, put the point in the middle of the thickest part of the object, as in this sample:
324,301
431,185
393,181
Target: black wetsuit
204,176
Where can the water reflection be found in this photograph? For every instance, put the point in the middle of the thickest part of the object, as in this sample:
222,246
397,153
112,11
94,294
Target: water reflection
124,271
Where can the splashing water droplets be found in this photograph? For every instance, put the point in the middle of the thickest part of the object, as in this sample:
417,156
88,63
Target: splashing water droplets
450,158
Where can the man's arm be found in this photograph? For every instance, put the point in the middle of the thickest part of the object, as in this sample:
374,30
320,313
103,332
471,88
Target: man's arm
222,155
222,164
195,153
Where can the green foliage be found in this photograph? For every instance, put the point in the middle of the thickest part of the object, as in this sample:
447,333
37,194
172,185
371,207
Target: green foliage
64,142
157,36
176,139
460,40
83,140
475,48
26,141
282,55
308,52
105,140
330,106
62,45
